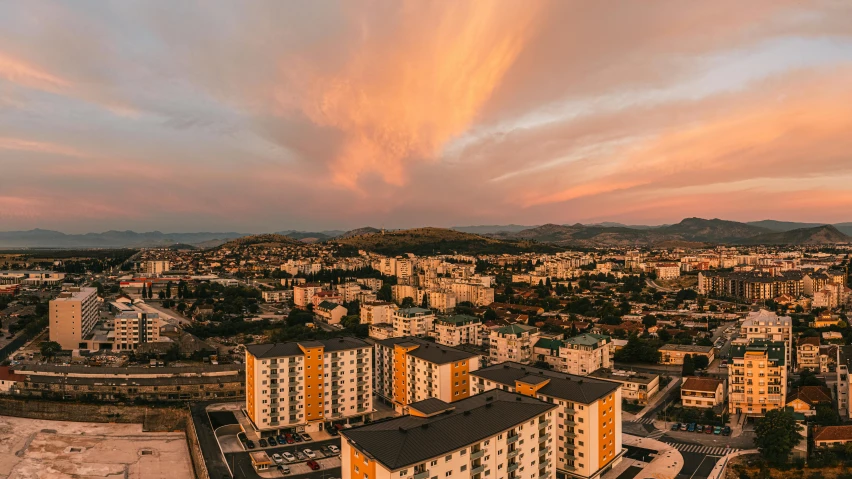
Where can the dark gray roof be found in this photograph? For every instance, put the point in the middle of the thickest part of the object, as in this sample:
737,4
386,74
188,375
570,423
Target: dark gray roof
429,351
410,440
127,371
581,389
274,350
430,406
775,350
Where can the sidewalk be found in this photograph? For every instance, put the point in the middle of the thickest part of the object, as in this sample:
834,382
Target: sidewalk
658,398
667,461
722,464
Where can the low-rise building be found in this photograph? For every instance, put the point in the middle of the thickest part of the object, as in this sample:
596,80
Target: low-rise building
805,399
807,353
638,388
412,369
585,354
702,392
494,434
587,421
674,353
330,312
826,436
412,322
381,331
546,349
278,296
513,342
377,312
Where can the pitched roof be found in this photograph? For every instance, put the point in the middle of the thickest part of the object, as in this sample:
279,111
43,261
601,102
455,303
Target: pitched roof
701,384
274,350
516,329
813,341
459,319
587,339
549,343
833,433
428,350
811,395
579,389
430,406
409,440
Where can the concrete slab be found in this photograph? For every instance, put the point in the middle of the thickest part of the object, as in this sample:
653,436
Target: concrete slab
31,448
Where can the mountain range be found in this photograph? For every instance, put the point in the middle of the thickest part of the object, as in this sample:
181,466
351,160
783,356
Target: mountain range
689,232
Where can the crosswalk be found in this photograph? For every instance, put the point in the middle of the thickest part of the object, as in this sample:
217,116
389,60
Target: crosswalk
656,434
644,420
699,449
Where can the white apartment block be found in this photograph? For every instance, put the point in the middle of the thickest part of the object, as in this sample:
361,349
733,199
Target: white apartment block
512,343
156,267
408,370
280,296
133,328
474,293
374,284
402,291
377,312
667,270
73,315
412,322
294,267
308,383
348,291
303,294
768,326
587,421
585,354
458,329
493,435
442,301
400,267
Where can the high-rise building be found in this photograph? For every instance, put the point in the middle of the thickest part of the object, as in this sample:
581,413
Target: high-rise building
132,328
587,421
73,315
156,267
412,369
308,383
412,322
768,326
757,377
496,434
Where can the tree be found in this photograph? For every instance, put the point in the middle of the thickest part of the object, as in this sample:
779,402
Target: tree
407,302
638,351
776,435
50,349
688,366
385,293
649,320
169,290
150,290
701,362
826,415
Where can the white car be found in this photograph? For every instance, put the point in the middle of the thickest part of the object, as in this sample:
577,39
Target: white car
277,458
310,453
290,457
334,449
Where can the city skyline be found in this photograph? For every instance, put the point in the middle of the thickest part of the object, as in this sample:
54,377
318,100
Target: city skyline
272,116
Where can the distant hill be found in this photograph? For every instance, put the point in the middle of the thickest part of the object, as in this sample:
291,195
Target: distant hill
820,235
490,229
264,241
39,238
367,230
715,230
305,236
426,241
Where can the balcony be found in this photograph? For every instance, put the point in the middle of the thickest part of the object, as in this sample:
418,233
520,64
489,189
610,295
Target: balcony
543,437
513,453
570,411
477,454
512,467
569,422
512,439
570,434
543,424
475,470
421,475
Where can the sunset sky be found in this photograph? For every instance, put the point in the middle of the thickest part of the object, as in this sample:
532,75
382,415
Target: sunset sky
262,116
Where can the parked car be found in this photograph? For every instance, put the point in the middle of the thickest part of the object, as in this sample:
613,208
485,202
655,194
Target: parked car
300,455
263,443
726,431
310,453
306,437
675,426
683,426
277,458
691,427
281,439
284,469
271,441
250,444
314,465
699,428
289,438
334,449
297,437
708,429
288,456
717,430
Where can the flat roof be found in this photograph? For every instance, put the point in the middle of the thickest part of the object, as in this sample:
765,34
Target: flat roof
581,389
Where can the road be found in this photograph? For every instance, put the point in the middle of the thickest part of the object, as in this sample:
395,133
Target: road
169,315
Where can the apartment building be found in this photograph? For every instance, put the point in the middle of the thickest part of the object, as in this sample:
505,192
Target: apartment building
402,291
458,329
587,420
702,392
308,383
132,328
442,301
768,326
157,267
757,377
807,354
73,315
492,435
667,270
638,388
751,286
281,296
675,353
412,369
377,312
513,342
303,294
412,322
330,312
586,353
474,293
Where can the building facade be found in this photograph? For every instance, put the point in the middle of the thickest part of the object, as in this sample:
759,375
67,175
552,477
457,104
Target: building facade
586,353
702,392
308,383
412,322
458,329
73,315
757,377
513,342
767,326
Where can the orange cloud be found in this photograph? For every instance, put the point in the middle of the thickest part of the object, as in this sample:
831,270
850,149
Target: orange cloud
402,95
22,73
17,144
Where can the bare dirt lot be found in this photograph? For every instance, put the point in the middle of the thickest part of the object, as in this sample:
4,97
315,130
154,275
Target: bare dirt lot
32,448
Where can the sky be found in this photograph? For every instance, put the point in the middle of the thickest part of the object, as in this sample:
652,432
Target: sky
261,116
